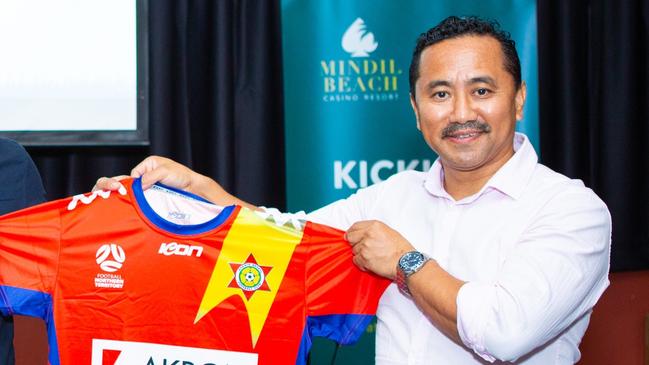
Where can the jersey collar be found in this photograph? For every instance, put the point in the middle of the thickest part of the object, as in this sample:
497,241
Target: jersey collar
165,225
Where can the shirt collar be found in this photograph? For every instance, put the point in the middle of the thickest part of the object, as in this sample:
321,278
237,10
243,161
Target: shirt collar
510,179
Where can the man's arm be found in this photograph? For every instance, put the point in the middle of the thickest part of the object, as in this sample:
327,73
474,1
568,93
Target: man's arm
377,248
551,278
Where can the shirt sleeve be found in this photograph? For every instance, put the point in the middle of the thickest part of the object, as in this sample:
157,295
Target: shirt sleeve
554,276
343,213
341,300
29,247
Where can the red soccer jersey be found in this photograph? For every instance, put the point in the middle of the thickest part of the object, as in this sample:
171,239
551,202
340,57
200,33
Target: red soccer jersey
117,283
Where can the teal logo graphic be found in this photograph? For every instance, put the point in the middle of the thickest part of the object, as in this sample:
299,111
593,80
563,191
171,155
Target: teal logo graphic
357,41
360,77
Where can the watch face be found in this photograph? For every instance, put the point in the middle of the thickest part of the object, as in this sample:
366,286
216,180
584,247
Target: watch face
410,260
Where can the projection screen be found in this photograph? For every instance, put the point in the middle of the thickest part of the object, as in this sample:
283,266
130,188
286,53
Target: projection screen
74,72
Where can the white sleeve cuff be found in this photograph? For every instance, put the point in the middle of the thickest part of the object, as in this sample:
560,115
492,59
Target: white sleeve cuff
471,303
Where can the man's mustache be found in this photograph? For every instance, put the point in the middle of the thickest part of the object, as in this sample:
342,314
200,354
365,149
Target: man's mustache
473,125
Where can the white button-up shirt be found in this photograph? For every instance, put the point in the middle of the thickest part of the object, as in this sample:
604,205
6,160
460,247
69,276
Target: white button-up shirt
532,245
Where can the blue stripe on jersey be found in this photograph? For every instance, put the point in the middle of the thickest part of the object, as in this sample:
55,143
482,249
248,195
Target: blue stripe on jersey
345,329
182,192
173,227
32,303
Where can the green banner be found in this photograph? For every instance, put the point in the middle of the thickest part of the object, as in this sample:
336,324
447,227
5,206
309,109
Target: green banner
348,118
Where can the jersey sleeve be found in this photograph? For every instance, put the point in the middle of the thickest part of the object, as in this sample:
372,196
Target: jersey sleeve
341,300
29,249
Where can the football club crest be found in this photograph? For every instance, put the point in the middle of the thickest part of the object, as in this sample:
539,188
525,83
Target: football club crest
249,276
240,273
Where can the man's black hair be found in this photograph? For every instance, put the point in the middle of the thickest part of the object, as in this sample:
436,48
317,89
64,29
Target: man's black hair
454,27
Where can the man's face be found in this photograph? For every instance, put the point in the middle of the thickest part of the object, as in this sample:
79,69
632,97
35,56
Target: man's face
467,104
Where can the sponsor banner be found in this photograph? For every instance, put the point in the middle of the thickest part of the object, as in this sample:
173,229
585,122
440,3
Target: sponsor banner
110,352
348,118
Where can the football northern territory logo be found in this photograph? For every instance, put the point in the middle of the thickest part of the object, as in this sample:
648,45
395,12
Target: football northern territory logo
251,265
110,257
360,77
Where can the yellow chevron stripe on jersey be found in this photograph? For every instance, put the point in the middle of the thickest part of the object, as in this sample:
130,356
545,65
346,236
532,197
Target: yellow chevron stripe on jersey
271,245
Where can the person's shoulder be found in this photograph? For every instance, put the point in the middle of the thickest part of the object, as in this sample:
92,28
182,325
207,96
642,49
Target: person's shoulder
9,147
406,177
554,186
398,181
20,182
14,158
545,177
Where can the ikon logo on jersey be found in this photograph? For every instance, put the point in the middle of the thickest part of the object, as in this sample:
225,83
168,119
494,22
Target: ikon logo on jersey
174,248
110,352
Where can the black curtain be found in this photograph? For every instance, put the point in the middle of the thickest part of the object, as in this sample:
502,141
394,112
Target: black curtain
594,106
215,102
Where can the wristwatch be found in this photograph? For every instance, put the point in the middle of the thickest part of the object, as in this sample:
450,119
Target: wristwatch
409,263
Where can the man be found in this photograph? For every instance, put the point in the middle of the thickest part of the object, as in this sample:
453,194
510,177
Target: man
494,256
20,187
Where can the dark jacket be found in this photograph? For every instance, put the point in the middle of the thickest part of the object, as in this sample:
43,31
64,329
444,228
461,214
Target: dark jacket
20,187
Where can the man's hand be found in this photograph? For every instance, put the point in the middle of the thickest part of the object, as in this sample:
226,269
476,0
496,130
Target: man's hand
109,183
154,169
377,247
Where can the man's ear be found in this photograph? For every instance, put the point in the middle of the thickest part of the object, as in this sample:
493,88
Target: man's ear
519,99
413,103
